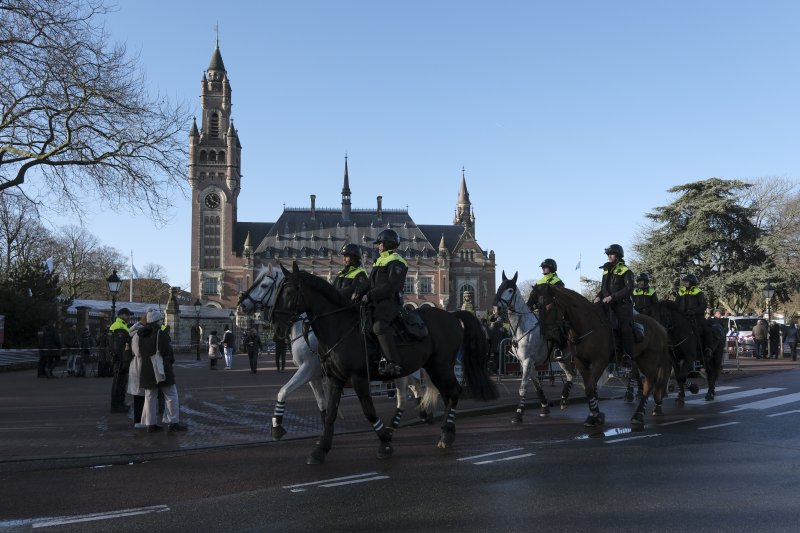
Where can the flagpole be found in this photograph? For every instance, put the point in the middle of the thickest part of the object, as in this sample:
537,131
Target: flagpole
130,298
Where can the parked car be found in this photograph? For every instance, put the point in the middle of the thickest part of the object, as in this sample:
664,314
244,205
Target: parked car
741,327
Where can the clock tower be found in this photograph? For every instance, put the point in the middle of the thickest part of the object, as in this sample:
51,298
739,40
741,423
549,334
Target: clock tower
215,181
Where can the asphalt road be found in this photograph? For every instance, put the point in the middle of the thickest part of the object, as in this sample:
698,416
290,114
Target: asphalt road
728,465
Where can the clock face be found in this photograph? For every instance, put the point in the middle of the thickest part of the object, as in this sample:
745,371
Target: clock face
212,200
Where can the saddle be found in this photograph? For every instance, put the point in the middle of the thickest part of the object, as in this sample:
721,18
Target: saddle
409,326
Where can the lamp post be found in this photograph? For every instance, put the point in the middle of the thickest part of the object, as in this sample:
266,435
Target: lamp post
768,291
197,305
114,283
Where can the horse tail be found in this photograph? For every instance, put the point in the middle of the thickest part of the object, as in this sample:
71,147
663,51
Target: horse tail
475,350
430,398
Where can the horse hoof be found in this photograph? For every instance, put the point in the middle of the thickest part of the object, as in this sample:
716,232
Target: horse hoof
637,422
447,439
709,396
658,411
594,421
694,389
544,411
317,457
278,432
517,419
385,451
441,444
564,403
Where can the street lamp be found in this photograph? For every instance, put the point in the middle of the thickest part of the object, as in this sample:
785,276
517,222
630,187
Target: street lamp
114,283
768,291
197,305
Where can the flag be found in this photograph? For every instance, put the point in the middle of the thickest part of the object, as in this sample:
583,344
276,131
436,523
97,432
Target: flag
578,266
48,264
133,270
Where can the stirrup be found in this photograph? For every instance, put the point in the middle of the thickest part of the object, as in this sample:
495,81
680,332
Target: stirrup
389,369
559,355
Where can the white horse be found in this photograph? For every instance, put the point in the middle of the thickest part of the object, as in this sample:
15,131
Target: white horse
305,354
528,346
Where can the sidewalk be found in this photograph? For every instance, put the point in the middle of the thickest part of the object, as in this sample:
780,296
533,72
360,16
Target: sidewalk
67,420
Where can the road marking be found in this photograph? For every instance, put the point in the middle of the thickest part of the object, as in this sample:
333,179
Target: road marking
487,454
737,395
300,487
62,520
784,413
719,425
676,422
614,441
513,457
769,402
362,480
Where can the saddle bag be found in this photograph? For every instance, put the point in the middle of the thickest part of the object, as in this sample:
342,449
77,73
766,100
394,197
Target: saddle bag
413,325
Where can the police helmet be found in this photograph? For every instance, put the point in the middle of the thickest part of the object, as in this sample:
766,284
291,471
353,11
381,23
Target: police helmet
389,238
549,263
352,250
615,249
644,276
691,278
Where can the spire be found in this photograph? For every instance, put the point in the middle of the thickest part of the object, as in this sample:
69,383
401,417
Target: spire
194,132
216,63
463,193
442,246
346,193
464,215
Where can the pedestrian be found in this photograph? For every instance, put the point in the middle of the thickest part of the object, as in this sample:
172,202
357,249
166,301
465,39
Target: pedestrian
253,345
279,338
353,275
616,289
774,340
86,350
214,350
49,350
760,338
134,374
120,359
790,337
383,298
150,339
229,343
73,350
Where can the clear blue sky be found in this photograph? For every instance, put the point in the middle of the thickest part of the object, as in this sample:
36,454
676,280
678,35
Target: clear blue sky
572,119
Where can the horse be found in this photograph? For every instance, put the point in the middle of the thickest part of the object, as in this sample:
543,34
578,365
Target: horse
592,344
305,354
684,344
529,346
712,358
348,354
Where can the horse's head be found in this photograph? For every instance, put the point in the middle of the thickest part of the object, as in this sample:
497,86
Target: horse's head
505,292
263,290
288,302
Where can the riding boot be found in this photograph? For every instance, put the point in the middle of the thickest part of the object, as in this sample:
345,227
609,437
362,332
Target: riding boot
389,368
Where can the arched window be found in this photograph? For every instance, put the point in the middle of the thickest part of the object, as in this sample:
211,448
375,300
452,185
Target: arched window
212,156
214,127
203,156
221,157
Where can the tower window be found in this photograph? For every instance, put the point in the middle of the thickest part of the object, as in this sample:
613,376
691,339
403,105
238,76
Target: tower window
211,241
210,286
214,129
212,155
203,156
221,157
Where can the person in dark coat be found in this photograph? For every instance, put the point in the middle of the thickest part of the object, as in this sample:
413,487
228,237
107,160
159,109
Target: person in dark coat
120,359
252,343
774,340
616,289
148,339
279,338
49,350
353,275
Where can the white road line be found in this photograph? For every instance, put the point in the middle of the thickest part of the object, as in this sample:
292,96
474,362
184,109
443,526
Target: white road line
363,480
487,454
719,425
614,441
676,422
737,395
62,520
770,402
513,457
335,479
784,413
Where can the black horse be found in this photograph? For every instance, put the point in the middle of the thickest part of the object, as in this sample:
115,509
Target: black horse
684,345
347,354
712,357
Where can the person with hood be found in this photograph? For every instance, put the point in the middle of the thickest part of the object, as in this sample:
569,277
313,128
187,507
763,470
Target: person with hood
134,371
149,339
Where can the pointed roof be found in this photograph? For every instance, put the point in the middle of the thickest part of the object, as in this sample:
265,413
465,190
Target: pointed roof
216,61
346,186
194,132
463,193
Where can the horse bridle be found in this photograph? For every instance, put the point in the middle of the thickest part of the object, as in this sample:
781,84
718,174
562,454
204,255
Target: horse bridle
506,308
267,293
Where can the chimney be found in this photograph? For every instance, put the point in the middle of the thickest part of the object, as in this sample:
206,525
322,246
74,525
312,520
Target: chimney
380,208
313,207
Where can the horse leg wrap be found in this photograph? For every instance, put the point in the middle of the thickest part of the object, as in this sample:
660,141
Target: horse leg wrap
545,405
565,390
450,420
277,416
398,415
594,406
384,433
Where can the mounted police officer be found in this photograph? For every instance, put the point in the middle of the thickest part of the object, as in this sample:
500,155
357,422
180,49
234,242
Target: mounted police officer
644,298
353,274
383,296
692,302
554,334
615,293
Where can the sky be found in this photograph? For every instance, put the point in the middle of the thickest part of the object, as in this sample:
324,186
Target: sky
570,119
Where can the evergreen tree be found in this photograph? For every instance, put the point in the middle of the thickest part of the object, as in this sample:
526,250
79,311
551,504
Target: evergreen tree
708,232
28,299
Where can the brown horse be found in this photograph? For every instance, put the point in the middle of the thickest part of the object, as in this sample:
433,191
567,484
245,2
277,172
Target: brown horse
592,341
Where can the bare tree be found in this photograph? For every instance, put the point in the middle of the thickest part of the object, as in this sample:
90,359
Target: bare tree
22,236
152,286
77,124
